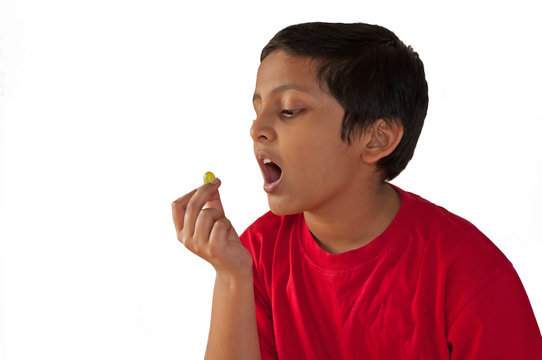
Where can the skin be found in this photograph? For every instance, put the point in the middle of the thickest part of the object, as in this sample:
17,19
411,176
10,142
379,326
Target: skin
345,202
203,228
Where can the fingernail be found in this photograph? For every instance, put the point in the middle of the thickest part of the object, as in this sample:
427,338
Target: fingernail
214,181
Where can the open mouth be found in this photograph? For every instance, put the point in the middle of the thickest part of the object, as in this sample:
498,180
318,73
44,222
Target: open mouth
271,171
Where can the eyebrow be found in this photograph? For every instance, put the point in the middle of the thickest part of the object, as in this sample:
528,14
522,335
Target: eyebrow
281,88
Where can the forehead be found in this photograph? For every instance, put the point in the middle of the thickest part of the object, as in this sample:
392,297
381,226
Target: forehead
282,71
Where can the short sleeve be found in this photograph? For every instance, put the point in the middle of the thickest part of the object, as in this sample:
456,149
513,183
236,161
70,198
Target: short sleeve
497,322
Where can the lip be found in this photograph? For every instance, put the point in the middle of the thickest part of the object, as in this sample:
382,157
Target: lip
260,156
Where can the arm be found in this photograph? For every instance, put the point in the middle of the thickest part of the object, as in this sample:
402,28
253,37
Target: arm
207,233
233,320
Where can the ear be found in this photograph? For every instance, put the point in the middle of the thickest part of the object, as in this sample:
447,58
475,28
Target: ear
380,140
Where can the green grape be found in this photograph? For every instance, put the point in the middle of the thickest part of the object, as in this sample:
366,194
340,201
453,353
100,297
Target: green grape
208,177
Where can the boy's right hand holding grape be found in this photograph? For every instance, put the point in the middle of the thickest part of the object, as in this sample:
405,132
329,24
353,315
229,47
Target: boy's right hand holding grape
209,234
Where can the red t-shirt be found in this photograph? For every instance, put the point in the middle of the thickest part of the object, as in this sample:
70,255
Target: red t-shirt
431,286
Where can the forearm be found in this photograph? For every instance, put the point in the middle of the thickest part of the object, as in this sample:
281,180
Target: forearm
233,333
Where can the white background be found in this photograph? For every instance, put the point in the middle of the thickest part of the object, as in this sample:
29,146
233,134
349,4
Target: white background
112,109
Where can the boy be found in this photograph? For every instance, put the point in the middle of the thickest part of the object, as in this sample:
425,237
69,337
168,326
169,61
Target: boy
346,265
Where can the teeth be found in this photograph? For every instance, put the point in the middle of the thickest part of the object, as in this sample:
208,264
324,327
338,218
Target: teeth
266,161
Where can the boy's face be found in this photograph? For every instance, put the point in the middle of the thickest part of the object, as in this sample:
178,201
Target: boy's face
298,127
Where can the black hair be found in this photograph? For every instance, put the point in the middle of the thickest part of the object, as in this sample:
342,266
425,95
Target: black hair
371,73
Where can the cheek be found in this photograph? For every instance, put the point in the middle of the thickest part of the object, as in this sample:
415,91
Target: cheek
316,153
338,165
305,156
316,168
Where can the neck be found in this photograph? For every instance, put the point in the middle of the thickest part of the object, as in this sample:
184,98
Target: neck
355,218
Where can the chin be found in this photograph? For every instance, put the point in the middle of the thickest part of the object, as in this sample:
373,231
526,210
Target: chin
283,209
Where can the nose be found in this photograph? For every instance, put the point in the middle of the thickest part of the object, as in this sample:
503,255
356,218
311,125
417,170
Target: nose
262,130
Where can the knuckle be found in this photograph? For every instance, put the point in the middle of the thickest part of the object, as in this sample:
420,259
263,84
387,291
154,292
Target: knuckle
198,248
210,214
183,238
190,243
206,214
195,248
223,224
183,199
179,202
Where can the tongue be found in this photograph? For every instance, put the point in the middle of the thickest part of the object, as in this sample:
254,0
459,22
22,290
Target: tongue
273,172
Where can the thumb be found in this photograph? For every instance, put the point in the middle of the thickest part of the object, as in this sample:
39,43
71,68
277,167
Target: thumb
214,200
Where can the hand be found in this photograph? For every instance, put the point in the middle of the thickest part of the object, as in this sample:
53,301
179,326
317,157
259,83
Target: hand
208,233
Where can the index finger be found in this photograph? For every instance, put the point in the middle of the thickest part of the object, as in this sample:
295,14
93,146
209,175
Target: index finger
179,209
215,202
195,204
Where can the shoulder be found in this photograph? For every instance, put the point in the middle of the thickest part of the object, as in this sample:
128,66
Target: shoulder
433,216
453,233
464,258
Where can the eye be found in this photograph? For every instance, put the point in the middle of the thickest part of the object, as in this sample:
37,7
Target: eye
290,113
